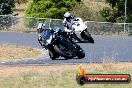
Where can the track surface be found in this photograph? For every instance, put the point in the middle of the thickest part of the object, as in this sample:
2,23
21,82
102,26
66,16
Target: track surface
117,48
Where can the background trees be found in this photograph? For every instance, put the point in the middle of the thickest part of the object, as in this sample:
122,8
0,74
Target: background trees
49,8
21,1
116,11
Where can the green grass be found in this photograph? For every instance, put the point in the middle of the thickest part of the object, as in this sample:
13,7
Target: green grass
54,79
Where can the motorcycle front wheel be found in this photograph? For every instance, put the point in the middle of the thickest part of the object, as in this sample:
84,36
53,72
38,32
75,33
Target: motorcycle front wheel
53,56
80,54
65,49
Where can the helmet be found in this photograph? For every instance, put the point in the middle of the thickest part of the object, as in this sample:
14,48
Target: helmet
67,14
41,27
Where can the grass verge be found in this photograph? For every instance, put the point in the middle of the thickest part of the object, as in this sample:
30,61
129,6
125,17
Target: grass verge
58,76
11,52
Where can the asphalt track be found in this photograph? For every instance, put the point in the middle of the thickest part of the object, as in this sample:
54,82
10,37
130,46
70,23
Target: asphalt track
111,48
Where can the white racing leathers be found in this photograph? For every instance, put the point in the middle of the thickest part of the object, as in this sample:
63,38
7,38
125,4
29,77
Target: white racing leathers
68,25
79,29
76,24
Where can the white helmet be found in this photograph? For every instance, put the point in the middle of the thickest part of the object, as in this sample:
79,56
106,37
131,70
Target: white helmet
41,27
67,14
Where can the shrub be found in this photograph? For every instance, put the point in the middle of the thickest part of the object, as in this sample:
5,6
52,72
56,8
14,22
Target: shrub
49,8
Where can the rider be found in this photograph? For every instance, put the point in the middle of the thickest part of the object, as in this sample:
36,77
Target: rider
40,29
67,22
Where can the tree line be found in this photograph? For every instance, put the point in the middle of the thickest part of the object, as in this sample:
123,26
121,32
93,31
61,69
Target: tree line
114,12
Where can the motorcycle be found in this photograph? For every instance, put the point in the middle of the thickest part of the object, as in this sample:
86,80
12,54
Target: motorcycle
55,40
80,32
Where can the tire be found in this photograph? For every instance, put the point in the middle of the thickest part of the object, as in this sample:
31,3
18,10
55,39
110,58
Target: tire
81,80
65,49
53,55
68,57
87,36
80,54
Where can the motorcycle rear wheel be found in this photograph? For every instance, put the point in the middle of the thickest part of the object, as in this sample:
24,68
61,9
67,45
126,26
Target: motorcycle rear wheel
86,36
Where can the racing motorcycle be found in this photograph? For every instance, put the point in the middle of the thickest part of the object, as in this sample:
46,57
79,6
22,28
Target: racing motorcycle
80,31
57,42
